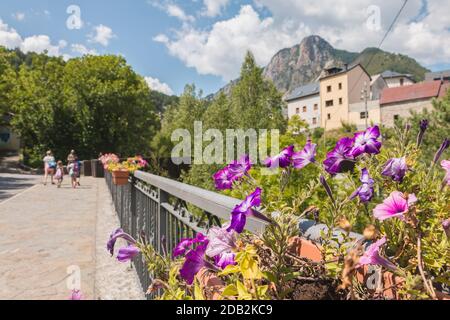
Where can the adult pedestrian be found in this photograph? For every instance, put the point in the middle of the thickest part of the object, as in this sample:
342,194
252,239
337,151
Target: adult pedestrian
49,167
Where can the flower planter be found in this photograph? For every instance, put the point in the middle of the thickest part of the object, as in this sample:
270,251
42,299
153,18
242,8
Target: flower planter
97,169
366,275
120,178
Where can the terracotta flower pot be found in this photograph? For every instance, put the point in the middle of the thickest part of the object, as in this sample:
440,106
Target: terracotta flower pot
120,178
391,283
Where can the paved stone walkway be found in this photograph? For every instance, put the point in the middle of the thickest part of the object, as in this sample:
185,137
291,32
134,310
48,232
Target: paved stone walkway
12,184
48,236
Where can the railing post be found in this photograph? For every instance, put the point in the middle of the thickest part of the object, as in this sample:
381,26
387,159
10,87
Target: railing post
163,197
133,215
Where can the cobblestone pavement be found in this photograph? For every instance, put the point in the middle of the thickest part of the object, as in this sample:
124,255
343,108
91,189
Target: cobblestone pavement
49,242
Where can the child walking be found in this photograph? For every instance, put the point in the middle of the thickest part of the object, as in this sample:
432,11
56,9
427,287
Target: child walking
74,170
59,175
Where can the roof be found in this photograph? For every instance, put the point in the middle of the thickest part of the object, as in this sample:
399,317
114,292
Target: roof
304,91
430,76
394,74
345,70
423,90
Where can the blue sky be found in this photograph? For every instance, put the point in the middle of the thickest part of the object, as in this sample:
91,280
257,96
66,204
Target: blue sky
204,41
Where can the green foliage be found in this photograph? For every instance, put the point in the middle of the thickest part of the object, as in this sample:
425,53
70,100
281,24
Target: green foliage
92,104
244,277
381,61
256,103
439,126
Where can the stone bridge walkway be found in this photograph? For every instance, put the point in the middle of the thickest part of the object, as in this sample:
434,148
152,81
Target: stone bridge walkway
48,236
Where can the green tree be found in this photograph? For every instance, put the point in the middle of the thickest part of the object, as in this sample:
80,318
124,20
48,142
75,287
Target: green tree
256,103
111,106
38,106
7,82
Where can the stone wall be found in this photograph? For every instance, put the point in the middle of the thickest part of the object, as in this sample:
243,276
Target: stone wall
403,110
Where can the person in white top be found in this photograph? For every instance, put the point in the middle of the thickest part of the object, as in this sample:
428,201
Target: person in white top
49,167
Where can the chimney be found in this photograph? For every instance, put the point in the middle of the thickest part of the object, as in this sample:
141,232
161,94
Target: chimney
346,66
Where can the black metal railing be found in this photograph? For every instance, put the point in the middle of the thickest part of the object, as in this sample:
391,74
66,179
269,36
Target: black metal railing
160,208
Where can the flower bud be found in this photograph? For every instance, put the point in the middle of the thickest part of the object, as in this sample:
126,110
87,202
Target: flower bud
345,225
370,232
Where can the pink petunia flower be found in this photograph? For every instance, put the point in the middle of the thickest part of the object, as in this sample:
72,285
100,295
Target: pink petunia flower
76,295
446,166
395,206
372,256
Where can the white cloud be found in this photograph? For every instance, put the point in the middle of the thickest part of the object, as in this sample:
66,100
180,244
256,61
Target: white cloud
213,8
175,11
19,16
40,44
157,85
220,51
83,50
9,37
161,38
421,32
103,34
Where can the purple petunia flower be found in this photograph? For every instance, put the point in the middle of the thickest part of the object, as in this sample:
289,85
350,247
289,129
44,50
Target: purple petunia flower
444,146
195,260
306,156
240,168
325,184
422,128
76,295
186,244
119,233
225,177
395,168
395,206
366,142
225,259
340,159
365,191
220,240
244,209
372,256
282,160
127,253
221,245
222,179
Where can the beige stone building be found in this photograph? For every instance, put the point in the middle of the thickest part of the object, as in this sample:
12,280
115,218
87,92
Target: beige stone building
340,88
399,102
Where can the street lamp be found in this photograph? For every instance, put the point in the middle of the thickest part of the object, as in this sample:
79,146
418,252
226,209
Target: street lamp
365,95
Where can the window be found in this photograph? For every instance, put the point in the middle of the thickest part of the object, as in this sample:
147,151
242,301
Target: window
363,115
340,100
340,85
314,120
401,81
316,107
297,110
329,116
304,109
328,88
396,117
329,103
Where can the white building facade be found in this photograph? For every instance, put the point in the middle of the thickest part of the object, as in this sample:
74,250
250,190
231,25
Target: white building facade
305,103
